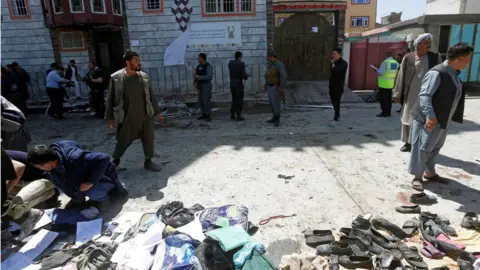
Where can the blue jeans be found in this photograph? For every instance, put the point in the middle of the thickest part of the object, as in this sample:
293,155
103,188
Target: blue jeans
99,192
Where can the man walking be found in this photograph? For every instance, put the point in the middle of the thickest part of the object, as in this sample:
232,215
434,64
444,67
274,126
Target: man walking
203,83
56,92
237,75
441,101
94,79
132,104
275,82
386,81
414,66
72,75
337,82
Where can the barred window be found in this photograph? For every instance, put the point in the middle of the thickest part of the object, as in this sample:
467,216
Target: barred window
117,7
228,6
72,41
152,5
57,6
76,6
19,8
98,6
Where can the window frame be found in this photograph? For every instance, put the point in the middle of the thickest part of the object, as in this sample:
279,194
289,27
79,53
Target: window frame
253,12
60,43
22,17
365,18
98,12
365,2
53,8
152,11
71,7
121,8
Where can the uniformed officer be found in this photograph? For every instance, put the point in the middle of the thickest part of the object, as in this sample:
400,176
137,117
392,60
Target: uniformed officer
386,82
275,81
203,83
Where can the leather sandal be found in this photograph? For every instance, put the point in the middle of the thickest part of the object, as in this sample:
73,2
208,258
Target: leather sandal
336,248
422,198
410,227
470,221
412,256
318,237
408,209
417,184
383,224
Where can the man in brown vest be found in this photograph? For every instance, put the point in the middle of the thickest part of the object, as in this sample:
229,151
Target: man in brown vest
409,78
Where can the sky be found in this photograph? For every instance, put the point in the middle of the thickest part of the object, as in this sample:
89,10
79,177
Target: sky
410,8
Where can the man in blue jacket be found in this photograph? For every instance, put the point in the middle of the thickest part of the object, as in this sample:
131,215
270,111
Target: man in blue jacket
76,172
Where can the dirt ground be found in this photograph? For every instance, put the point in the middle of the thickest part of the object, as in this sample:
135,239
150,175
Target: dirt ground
339,173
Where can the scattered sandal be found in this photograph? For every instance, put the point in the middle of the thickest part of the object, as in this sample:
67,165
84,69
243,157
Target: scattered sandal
417,184
318,237
422,198
412,256
410,227
408,209
431,252
336,248
353,262
387,261
470,221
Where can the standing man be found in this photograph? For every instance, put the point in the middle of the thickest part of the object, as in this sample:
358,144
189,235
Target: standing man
414,66
237,75
53,66
275,82
56,92
337,82
132,104
203,83
386,82
22,86
441,101
94,79
72,75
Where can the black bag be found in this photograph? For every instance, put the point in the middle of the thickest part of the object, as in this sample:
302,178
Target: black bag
175,215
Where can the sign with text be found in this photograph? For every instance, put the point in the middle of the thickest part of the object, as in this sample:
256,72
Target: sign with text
215,33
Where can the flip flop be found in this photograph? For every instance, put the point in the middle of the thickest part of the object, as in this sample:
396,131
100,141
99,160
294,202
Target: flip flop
417,184
437,178
412,256
410,227
408,209
422,198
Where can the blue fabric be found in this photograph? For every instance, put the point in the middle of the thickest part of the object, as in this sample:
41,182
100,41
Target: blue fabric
99,192
77,166
53,80
66,216
180,253
241,256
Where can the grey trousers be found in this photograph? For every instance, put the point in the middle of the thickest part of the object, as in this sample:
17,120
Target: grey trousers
425,149
274,99
406,134
31,195
125,139
205,97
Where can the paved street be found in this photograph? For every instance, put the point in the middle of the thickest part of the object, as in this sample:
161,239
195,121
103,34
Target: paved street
339,172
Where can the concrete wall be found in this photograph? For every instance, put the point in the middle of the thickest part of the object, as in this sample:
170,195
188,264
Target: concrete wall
472,7
155,32
357,10
443,7
27,41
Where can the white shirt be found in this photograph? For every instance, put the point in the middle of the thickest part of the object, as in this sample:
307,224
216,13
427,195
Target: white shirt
74,74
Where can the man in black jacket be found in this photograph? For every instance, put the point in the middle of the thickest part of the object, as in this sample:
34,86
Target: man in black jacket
237,75
337,81
441,101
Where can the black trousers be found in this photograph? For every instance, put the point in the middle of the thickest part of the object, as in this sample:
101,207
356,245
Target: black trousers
385,99
56,101
238,94
335,96
98,102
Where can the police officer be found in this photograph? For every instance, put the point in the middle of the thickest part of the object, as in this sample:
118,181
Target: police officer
386,82
275,81
237,76
203,83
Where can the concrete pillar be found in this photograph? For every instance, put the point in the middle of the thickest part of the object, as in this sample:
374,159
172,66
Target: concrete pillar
92,56
270,24
340,19
125,36
55,46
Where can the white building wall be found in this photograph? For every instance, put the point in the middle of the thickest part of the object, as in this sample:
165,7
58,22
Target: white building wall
443,7
28,42
472,7
155,32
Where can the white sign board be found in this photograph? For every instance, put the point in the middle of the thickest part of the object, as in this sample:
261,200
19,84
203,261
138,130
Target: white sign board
215,33
175,53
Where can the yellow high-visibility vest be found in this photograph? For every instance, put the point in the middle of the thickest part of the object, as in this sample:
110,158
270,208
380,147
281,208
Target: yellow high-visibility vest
387,80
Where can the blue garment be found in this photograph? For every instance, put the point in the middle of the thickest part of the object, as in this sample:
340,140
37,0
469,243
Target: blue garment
241,256
180,253
76,166
53,80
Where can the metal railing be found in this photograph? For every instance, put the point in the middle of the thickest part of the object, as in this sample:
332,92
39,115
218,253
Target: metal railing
167,81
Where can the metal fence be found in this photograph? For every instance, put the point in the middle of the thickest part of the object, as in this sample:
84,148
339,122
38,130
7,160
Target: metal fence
167,81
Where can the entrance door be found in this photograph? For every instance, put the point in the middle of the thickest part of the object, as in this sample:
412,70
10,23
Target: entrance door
104,53
304,43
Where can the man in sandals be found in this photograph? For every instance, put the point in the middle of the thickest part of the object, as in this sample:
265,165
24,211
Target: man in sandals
441,101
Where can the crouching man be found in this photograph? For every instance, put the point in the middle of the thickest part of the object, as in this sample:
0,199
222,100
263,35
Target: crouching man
76,172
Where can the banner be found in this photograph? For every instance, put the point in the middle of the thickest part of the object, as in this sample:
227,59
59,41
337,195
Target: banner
215,33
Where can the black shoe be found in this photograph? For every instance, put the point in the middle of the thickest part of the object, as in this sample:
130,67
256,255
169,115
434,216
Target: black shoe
150,166
202,117
271,121
406,148
232,115
381,223
277,121
240,118
353,262
337,248
382,115
362,222
381,240
116,162
208,118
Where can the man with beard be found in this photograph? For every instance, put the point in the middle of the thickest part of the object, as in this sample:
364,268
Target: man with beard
409,79
237,75
441,101
94,79
131,103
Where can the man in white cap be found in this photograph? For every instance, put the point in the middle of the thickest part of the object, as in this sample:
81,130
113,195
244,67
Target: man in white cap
409,79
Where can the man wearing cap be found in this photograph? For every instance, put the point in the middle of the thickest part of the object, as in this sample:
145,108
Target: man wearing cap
275,81
409,79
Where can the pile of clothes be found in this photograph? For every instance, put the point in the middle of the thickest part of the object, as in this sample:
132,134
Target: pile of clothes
175,237
377,243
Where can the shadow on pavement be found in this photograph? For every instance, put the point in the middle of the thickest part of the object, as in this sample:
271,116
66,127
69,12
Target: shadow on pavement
467,197
467,166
